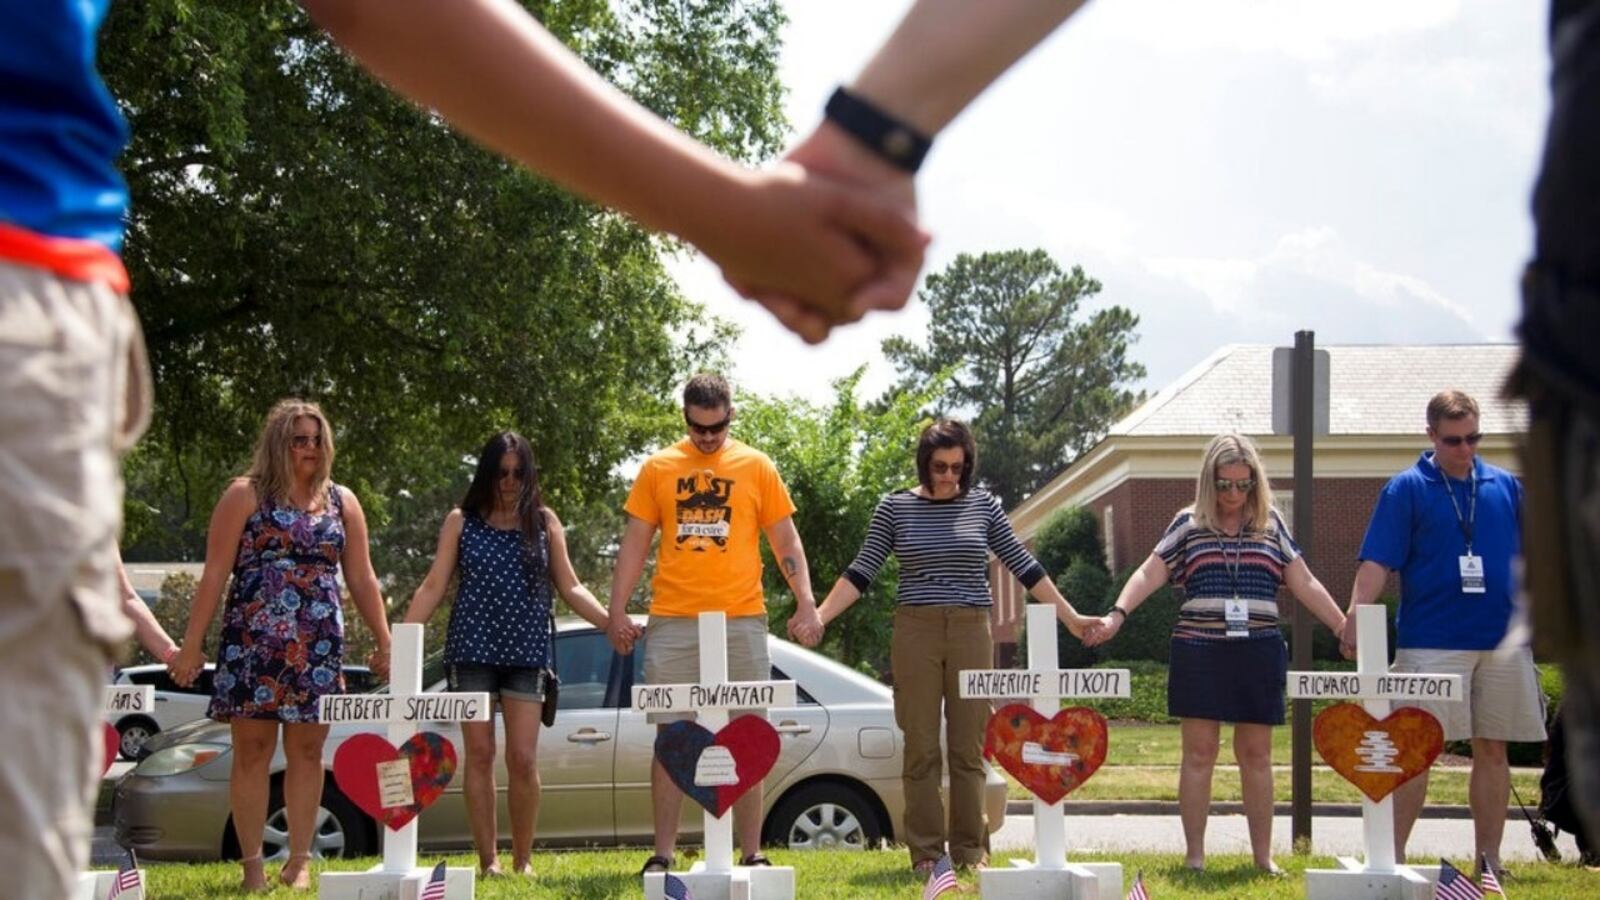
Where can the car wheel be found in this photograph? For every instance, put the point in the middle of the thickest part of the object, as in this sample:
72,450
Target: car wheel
824,816
132,732
340,830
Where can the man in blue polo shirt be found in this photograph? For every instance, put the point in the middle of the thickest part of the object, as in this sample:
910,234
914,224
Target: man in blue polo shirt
1451,526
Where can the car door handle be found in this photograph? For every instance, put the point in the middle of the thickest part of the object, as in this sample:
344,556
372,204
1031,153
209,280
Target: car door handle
792,728
161,699
588,736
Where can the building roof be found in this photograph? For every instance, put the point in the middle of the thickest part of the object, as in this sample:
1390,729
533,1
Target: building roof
1374,389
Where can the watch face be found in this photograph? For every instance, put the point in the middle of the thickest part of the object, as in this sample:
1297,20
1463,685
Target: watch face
897,143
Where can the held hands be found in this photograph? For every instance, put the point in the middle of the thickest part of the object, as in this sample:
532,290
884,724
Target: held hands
1347,638
1102,629
622,633
378,662
186,666
833,236
1076,623
806,628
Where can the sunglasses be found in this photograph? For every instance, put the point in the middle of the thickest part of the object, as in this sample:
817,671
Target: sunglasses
713,428
944,468
307,441
1242,485
516,473
1456,440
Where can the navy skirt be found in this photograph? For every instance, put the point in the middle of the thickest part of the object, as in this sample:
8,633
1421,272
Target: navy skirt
1229,680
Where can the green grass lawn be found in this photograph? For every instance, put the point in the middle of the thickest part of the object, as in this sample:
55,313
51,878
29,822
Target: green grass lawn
878,874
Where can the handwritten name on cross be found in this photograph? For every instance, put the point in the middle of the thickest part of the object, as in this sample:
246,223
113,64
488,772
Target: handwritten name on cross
1372,684
402,710
1045,685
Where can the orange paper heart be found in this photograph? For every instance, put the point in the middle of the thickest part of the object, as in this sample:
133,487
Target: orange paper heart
1049,757
1377,755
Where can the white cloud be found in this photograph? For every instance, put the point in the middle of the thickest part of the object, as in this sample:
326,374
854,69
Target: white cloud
1300,29
1315,257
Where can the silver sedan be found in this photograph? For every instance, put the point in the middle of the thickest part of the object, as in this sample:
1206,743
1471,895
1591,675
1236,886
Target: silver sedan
836,784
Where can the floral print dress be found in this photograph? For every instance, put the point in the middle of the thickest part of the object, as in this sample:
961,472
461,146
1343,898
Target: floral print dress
282,643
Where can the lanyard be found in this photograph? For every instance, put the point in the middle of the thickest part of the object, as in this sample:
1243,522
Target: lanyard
1232,566
1468,521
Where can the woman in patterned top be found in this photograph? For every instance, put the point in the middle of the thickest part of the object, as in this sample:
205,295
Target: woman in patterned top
942,533
1229,552
282,531
509,549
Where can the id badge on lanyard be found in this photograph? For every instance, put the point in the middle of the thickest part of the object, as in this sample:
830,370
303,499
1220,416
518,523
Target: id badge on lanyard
1236,613
1471,574
1471,564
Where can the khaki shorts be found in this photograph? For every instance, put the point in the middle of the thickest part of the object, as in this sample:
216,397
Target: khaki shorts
1502,702
672,656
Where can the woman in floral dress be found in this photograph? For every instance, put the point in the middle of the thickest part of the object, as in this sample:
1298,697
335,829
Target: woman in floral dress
282,531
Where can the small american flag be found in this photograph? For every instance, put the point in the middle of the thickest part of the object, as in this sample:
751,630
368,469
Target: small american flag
1138,892
941,879
127,885
674,888
1491,881
1454,885
434,889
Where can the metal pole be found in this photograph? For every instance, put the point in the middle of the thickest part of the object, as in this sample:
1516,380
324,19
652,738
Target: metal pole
1302,413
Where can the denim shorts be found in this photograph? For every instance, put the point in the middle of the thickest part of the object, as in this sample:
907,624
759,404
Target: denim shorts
499,682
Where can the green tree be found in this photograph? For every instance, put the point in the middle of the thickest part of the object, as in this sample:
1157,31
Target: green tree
838,461
298,230
1041,378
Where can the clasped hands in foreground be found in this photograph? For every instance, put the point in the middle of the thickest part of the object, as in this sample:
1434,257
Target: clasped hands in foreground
821,238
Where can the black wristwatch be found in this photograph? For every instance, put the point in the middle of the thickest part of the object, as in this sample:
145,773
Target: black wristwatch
896,142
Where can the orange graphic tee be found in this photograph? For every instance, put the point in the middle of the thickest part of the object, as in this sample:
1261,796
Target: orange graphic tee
711,511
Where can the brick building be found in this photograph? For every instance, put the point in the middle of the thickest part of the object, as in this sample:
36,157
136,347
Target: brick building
1144,470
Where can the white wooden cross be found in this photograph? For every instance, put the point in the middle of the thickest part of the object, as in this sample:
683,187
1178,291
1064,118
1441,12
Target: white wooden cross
121,699
398,877
717,878
1050,875
1378,875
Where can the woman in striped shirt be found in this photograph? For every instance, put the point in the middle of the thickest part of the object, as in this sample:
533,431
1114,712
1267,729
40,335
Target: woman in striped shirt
1229,552
942,532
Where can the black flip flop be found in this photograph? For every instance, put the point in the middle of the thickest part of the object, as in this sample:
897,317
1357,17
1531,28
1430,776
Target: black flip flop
656,864
755,859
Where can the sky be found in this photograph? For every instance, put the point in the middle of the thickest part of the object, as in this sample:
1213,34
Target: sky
1232,171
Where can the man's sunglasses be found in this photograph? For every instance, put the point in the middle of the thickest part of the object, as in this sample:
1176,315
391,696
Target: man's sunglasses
1456,440
713,428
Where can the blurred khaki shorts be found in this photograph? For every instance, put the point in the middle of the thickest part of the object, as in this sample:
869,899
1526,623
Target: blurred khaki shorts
672,656
1503,701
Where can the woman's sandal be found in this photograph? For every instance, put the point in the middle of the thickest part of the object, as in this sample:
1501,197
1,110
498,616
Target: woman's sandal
755,859
302,879
261,867
923,866
656,864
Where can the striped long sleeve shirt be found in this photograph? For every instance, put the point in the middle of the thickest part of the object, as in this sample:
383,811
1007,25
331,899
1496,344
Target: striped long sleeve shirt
943,547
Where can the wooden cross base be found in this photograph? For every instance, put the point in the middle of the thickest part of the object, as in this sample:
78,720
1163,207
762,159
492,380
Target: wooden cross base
740,883
376,884
96,884
1356,880
1029,881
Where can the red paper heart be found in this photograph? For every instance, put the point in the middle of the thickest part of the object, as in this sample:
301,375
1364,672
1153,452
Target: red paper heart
113,742
751,741
1049,757
1376,755
432,761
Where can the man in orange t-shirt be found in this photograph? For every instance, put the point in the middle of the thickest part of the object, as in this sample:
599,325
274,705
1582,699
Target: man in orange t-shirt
712,497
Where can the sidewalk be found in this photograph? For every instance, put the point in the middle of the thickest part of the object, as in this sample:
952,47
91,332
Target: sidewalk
1111,833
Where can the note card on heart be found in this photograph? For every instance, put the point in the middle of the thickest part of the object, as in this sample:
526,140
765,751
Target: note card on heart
393,784
1377,755
714,770
1050,757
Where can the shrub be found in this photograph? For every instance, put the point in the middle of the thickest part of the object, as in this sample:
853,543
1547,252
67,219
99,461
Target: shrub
1087,588
1147,632
1069,536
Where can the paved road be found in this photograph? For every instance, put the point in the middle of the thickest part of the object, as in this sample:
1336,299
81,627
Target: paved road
1336,836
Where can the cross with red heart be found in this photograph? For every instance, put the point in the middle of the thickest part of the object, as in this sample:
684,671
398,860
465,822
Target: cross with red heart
1377,755
714,770
431,763
1050,757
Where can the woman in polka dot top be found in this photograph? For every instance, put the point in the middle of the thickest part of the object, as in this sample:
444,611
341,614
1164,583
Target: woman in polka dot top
509,550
